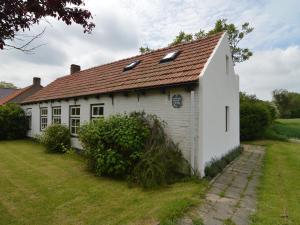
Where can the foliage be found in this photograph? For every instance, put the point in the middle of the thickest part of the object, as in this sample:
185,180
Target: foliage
161,165
256,116
288,103
216,165
13,122
20,15
4,84
62,180
144,50
235,35
284,129
114,145
56,138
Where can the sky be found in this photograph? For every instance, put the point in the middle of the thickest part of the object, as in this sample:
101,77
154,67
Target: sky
122,26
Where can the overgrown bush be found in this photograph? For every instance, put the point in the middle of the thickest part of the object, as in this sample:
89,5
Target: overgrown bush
256,116
134,146
216,165
13,122
114,145
254,120
56,138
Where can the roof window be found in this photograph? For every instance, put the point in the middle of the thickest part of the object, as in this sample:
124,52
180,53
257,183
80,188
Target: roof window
170,56
131,65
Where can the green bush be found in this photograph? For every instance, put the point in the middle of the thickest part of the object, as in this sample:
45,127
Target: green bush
56,138
255,118
134,146
114,145
13,122
160,166
216,165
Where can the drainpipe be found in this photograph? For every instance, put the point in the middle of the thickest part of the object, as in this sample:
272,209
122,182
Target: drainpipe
193,133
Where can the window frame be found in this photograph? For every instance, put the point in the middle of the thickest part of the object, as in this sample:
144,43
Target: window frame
227,113
92,117
74,117
55,116
42,116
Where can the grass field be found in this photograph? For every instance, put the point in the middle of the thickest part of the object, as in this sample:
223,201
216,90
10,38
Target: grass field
279,190
289,128
40,188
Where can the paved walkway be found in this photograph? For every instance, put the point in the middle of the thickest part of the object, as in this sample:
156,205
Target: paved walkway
231,198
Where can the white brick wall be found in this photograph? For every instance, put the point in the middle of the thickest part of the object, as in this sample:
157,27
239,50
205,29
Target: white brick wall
154,102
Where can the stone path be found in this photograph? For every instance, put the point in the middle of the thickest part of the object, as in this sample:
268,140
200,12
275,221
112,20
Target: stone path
231,198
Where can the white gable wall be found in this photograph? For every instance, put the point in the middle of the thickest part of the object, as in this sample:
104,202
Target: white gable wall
218,90
154,102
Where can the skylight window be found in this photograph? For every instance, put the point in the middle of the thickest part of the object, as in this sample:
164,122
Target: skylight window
131,65
169,56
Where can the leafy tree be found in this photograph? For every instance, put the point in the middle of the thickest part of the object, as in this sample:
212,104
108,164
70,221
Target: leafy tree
235,36
4,84
288,103
21,15
144,50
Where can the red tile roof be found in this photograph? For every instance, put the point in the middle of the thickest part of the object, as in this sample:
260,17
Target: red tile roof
149,72
13,95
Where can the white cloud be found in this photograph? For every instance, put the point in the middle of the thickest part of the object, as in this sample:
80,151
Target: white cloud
269,70
124,25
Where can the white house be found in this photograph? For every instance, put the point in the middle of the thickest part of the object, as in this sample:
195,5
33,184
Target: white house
191,86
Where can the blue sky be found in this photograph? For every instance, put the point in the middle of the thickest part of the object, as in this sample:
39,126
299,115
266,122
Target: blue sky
124,25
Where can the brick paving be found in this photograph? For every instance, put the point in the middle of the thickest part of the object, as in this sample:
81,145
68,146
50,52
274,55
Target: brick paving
232,196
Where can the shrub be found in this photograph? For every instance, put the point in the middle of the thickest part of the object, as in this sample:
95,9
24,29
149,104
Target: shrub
216,165
160,166
13,122
255,118
133,146
56,138
114,145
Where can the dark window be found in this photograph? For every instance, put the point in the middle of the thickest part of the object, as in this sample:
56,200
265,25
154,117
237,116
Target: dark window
227,64
226,118
43,118
28,113
97,111
74,119
56,115
131,65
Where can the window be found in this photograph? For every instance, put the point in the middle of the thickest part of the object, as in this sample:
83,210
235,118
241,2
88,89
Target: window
28,113
43,118
56,115
131,65
227,64
74,119
169,56
97,111
226,118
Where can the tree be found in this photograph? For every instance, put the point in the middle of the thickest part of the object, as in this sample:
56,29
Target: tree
4,84
144,50
20,15
234,34
288,103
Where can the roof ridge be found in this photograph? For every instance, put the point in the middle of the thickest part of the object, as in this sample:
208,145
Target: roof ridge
147,53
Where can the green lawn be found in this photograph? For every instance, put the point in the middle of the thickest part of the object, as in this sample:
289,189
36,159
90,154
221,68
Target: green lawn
41,188
279,190
289,128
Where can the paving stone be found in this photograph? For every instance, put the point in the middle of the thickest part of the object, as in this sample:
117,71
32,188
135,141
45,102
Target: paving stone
239,201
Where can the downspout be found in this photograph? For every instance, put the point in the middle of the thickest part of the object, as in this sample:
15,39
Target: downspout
193,133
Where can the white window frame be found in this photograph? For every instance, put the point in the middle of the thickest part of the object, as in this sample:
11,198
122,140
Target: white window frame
28,113
101,109
43,118
74,119
56,115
